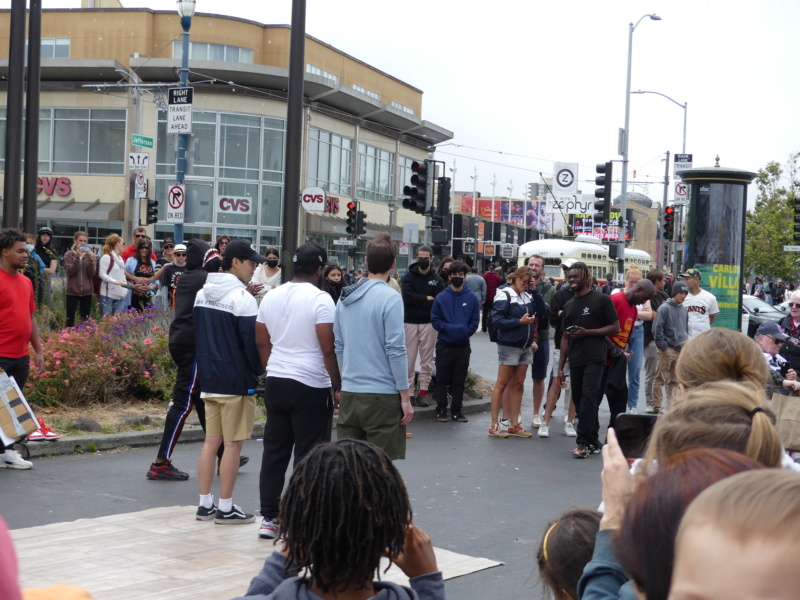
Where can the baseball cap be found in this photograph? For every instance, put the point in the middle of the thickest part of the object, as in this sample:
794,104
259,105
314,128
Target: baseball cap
679,287
569,262
180,248
243,251
311,255
167,243
46,230
770,328
692,273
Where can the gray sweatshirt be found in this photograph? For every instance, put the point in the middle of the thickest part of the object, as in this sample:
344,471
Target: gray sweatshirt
671,327
274,583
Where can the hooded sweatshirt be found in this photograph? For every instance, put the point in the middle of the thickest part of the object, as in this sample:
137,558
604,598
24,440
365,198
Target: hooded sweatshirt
370,339
274,584
671,327
224,318
456,316
416,288
181,330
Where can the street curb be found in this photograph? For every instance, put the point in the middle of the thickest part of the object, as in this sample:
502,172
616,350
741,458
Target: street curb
78,444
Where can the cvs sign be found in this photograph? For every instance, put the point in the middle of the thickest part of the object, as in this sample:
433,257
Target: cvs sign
230,205
313,199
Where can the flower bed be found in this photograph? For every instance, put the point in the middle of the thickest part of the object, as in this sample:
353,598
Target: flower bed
122,357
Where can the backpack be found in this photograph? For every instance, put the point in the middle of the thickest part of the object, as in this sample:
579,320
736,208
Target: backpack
490,326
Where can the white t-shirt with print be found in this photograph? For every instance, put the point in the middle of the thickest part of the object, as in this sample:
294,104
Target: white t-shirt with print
700,307
291,313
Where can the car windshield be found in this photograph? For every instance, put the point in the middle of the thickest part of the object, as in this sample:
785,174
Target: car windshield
751,304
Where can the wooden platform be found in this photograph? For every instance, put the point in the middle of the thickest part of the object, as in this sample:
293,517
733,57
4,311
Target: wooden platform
164,554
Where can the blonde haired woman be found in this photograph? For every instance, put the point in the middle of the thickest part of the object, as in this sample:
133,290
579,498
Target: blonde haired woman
79,264
111,271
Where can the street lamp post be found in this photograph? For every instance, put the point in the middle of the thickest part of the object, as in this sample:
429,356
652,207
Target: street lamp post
186,11
625,138
684,106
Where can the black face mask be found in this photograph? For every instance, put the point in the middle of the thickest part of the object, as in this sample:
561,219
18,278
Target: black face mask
272,263
457,281
424,263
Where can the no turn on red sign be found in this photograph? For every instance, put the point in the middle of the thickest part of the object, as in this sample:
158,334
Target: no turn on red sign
176,203
681,190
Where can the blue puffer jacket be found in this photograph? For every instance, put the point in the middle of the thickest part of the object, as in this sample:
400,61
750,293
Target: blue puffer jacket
506,316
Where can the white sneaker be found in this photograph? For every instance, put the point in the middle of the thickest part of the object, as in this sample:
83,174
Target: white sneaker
544,430
569,430
13,460
632,410
537,421
504,423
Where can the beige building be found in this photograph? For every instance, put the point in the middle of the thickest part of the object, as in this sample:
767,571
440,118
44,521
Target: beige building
105,77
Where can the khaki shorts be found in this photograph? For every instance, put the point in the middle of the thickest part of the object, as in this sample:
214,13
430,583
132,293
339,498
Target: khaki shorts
231,417
374,418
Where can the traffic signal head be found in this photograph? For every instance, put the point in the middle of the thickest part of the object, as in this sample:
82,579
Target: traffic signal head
669,222
443,197
417,191
351,218
603,207
361,223
152,212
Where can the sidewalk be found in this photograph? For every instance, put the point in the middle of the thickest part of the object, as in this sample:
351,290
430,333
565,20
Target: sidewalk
191,433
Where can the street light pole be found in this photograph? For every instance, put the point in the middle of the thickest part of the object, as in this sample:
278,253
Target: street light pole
684,106
625,138
186,11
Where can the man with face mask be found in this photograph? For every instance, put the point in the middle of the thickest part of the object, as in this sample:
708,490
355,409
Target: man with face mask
420,286
456,315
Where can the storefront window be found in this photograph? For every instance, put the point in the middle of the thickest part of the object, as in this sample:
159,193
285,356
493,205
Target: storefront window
273,150
269,239
89,141
201,150
237,233
330,161
239,146
271,205
236,203
375,173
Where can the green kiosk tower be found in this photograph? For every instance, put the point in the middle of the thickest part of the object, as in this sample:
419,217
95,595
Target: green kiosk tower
715,235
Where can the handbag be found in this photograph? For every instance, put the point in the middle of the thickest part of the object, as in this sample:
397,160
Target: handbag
787,412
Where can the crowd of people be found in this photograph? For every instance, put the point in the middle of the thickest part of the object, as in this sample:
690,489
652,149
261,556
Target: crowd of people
327,338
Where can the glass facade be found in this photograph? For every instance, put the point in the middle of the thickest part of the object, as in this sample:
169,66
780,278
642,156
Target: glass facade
217,52
375,174
330,163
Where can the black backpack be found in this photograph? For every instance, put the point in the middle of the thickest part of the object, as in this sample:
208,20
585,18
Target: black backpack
490,326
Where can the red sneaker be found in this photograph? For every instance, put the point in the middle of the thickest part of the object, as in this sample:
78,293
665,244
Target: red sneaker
45,431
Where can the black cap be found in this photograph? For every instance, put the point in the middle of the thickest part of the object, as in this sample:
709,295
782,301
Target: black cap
168,242
310,255
243,251
46,230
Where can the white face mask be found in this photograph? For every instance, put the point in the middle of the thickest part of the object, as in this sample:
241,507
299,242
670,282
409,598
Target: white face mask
30,247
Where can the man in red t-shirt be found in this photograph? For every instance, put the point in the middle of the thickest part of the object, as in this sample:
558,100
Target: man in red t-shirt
17,323
128,251
615,380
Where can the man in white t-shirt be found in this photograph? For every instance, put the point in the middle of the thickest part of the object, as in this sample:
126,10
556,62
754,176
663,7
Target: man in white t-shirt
294,335
700,304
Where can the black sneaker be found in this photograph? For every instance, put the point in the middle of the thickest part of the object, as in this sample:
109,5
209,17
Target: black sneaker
595,448
580,451
235,516
206,514
442,416
422,401
459,417
243,460
166,472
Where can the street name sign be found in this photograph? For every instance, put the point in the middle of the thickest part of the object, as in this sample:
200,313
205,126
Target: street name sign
179,110
141,141
791,248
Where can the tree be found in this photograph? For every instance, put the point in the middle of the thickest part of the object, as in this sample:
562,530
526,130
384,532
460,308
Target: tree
768,225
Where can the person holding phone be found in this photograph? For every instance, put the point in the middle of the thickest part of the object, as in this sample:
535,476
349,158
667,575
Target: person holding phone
588,318
770,337
79,264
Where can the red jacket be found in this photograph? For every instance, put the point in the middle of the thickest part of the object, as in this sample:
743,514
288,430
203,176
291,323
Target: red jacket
493,280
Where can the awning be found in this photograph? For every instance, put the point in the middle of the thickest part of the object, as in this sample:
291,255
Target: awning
81,211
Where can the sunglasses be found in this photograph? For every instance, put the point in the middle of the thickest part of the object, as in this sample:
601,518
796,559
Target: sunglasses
775,341
794,304
180,254
139,235
145,247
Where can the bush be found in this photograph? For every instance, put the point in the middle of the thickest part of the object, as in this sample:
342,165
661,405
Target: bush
120,358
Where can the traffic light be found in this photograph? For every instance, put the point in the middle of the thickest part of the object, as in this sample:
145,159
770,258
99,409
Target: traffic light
603,207
797,219
152,212
443,197
669,222
361,223
351,218
417,193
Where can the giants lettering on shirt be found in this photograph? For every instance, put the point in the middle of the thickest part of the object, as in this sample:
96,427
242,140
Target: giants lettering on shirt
697,309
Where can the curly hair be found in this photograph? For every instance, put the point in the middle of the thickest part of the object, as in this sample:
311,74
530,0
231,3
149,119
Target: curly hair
9,237
346,507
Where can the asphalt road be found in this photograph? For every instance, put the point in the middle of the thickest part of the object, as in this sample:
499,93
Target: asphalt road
473,494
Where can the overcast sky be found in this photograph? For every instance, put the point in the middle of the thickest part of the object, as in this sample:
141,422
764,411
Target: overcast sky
523,85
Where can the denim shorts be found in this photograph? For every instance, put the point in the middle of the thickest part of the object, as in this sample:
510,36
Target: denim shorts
509,355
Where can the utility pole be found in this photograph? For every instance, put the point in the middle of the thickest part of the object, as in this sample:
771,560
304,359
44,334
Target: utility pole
661,239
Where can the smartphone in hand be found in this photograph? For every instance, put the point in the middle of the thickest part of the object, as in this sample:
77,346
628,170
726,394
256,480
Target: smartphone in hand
633,433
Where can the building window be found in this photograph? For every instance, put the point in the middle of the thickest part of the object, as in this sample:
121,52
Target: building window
52,48
375,173
404,171
216,52
330,161
89,141
239,146
321,72
370,93
402,107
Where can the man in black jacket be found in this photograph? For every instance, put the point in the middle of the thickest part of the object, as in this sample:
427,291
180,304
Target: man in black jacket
420,286
201,259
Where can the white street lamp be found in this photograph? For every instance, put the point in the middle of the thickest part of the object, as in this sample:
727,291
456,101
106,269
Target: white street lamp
684,106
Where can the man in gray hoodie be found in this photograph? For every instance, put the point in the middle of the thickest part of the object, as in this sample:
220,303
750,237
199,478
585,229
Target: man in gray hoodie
371,352
670,331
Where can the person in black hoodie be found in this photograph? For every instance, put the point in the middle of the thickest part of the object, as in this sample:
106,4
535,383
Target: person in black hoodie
201,259
333,281
420,286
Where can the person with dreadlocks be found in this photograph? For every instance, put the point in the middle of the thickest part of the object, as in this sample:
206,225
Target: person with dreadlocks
346,508
587,320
